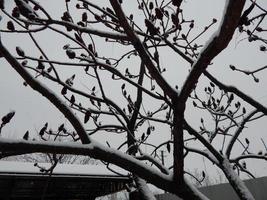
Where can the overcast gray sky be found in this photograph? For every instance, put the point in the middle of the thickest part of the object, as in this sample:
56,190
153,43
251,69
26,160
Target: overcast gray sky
32,110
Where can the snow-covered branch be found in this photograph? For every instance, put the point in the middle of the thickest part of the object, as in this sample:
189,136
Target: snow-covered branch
214,46
94,150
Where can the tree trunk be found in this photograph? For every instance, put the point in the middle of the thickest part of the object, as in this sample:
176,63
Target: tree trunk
144,191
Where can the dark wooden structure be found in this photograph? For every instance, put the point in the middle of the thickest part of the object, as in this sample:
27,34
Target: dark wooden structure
36,186
224,191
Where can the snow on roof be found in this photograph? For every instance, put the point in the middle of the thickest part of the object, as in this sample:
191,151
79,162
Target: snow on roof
70,169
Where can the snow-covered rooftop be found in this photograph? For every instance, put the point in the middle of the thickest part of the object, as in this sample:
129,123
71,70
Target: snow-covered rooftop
68,169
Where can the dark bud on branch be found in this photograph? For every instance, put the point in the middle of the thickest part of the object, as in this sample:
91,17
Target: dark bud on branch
84,17
10,26
212,84
61,128
123,86
66,17
131,17
64,90
90,47
20,52
256,79
24,62
231,98
87,116
191,25
71,54
97,18
78,38
108,143
15,12
66,46
42,131
151,28
49,69
259,29
151,5
247,141
25,9
148,131
232,67
36,7
177,2
6,119
70,80
72,100
143,137
26,136
108,62
85,5
159,13
263,48
203,174
244,165
41,65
